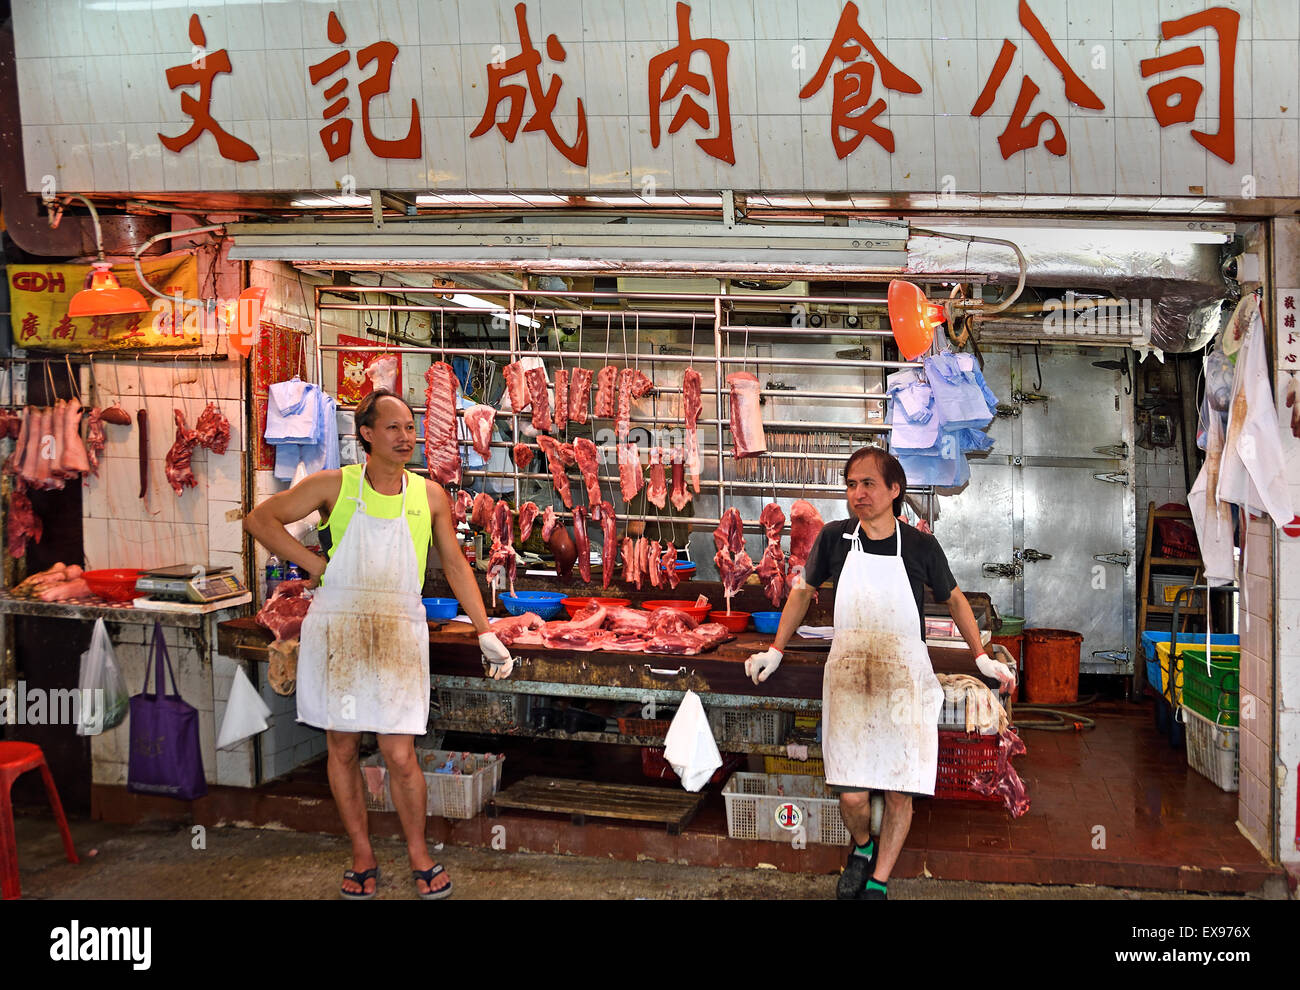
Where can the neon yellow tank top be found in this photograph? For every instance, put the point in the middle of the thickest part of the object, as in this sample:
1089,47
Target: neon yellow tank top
418,517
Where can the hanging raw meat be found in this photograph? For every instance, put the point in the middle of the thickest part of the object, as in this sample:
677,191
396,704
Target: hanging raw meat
654,569
74,460
14,462
579,393
691,399
536,381
179,474
23,524
668,561
582,542
604,513
746,415
630,477
771,566
805,524
527,514
730,534
561,399
213,429
502,561
733,563
657,493
632,384
515,386
606,385
562,549
441,442
628,550
680,493
480,516
558,457
478,420
588,464
461,506
94,439
523,455
549,521
382,372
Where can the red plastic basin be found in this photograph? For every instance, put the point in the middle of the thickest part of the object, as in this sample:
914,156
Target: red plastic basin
732,621
116,584
575,605
696,612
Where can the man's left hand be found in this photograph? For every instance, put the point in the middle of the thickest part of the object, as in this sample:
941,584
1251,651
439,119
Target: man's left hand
495,655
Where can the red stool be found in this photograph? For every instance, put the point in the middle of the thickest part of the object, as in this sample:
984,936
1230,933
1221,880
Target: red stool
16,758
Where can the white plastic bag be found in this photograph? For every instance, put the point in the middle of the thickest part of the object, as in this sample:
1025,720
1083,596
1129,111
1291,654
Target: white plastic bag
104,698
299,530
689,747
246,712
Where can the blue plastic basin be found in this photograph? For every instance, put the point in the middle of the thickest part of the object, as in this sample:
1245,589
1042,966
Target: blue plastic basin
766,622
544,604
441,609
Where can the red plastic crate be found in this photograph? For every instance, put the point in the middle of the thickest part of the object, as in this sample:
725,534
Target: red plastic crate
961,758
654,765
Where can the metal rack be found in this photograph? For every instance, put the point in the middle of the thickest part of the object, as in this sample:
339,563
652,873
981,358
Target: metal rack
716,320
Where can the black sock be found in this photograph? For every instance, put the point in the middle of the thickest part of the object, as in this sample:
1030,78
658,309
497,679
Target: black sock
874,884
866,851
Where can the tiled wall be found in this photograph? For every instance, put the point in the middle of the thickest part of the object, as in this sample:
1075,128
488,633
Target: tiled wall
1158,478
1287,604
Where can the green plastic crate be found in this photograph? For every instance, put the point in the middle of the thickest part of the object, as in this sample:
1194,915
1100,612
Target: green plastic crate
1224,673
1218,706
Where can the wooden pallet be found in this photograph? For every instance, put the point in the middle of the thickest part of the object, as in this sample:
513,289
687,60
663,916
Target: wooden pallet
580,799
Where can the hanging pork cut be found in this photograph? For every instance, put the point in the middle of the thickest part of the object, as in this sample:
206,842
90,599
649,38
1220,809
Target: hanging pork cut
179,473
22,523
478,420
214,429
579,394
632,384
527,514
654,567
805,525
549,521
502,561
561,416
94,439
747,438
604,513
461,506
606,387
668,561
657,493
558,457
73,461
480,516
631,479
515,387
730,534
441,441
680,493
772,566
691,399
523,455
536,381
628,551
583,542
589,465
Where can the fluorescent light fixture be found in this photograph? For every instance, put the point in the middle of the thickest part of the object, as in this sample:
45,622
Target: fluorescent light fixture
325,202
1134,237
474,302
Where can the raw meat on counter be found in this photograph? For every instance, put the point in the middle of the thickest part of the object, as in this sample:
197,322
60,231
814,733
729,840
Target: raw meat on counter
478,420
284,611
179,474
606,385
746,415
657,495
666,631
214,429
65,591
561,416
582,542
589,465
527,514
771,566
805,525
691,399
441,440
461,506
535,378
558,457
520,630
631,479
579,392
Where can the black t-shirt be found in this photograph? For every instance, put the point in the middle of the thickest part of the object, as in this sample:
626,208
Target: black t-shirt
923,559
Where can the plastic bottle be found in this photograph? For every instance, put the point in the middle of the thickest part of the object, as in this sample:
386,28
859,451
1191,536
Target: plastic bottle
274,575
293,572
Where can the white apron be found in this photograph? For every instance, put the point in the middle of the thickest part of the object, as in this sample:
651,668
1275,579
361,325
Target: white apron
880,697
363,658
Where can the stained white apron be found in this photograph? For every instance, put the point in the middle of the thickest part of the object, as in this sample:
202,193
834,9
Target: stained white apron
363,658
880,697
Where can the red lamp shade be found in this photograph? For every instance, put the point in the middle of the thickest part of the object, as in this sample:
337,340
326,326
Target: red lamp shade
105,297
913,318
244,321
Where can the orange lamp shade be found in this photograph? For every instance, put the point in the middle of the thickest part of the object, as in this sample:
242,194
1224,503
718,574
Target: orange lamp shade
244,320
105,297
913,318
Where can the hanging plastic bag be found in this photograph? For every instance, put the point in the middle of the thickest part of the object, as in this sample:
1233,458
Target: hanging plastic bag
911,434
246,712
689,747
961,397
299,530
104,698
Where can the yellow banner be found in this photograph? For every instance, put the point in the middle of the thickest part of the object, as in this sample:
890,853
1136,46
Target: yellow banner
38,302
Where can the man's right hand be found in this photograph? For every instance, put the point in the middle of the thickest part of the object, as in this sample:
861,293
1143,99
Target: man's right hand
759,666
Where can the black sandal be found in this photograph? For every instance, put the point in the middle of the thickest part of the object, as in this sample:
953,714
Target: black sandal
360,880
427,876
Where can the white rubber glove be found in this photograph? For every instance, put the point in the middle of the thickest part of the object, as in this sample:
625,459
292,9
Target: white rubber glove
759,666
496,656
1005,676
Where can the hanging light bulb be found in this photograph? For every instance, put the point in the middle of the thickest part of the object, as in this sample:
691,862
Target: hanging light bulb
244,320
103,294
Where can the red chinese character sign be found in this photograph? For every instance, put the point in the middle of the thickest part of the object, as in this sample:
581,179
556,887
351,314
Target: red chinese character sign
852,109
1018,135
678,60
529,61
1175,101
1288,350
202,72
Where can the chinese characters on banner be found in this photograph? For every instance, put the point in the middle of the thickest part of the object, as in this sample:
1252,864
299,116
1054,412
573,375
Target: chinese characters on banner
670,77
38,302
1288,335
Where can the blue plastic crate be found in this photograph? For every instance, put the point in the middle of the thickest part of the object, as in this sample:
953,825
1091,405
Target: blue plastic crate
1150,639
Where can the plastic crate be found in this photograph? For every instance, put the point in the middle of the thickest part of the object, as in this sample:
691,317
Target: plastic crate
633,724
1153,636
1219,706
491,708
749,725
1212,750
1162,654
786,764
1224,668
450,795
952,716
962,757
753,800
654,765
1165,587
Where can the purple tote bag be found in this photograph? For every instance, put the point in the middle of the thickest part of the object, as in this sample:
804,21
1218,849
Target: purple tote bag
165,756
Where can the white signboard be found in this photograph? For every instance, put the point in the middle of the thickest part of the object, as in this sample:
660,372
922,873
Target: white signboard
1171,98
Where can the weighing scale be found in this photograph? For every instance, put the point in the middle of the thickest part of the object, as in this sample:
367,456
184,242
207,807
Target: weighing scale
189,583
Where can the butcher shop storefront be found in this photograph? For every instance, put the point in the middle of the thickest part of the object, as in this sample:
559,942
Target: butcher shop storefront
647,283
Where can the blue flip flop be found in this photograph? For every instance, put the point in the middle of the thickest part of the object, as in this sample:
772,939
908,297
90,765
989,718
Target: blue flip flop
427,876
360,879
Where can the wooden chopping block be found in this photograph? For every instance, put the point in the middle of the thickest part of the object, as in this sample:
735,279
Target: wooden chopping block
283,673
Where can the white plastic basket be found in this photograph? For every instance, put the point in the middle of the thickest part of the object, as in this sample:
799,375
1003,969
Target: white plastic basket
748,726
1212,750
491,708
450,795
753,800
952,717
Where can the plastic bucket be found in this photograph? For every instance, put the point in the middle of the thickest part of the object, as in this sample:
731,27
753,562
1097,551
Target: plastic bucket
1012,625
1014,645
1052,666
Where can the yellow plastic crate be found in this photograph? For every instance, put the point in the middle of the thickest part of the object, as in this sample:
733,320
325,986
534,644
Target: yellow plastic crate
784,764
1162,654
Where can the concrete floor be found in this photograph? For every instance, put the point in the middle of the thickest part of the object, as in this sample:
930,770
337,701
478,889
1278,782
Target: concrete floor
160,862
